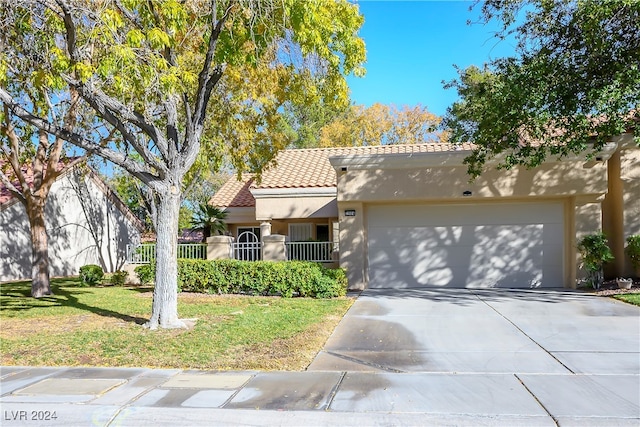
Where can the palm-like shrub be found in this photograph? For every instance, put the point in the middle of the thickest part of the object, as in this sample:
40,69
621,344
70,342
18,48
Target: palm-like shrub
210,219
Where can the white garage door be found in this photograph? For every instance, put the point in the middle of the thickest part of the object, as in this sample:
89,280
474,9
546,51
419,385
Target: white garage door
506,245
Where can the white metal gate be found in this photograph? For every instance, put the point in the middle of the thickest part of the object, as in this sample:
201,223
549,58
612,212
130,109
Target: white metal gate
247,248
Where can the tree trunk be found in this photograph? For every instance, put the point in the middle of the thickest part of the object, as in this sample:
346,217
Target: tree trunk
40,285
164,313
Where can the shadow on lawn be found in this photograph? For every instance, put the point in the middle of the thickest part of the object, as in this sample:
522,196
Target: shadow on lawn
16,297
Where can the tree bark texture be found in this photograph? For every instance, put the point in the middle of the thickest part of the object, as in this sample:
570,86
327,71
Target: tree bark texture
40,285
164,312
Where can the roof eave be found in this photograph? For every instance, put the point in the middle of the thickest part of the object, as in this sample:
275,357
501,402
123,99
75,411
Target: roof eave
262,193
398,161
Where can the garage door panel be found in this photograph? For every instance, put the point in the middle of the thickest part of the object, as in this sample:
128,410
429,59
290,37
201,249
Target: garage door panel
427,246
488,214
498,238
458,277
393,236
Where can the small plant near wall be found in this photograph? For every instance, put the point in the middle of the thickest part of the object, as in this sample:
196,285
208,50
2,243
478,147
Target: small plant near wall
146,273
119,278
91,275
595,252
633,251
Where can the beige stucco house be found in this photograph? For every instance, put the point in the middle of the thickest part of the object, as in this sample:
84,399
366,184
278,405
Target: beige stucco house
86,223
407,215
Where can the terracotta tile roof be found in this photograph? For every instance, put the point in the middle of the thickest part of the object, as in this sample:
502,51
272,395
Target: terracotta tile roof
235,193
308,168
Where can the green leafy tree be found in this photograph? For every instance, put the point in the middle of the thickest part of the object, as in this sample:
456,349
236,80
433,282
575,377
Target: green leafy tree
306,119
595,252
31,159
184,217
574,83
173,78
202,189
382,124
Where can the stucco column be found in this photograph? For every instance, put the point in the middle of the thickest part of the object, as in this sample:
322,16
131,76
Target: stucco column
613,216
587,220
219,247
273,248
630,179
353,247
265,229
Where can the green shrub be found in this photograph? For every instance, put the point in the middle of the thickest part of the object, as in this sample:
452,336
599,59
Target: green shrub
305,279
633,250
146,273
91,275
338,285
119,278
595,252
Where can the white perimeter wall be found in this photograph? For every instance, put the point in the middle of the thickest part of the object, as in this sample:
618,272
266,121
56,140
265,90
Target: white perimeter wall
83,225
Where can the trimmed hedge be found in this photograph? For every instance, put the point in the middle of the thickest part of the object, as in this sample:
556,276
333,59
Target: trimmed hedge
305,279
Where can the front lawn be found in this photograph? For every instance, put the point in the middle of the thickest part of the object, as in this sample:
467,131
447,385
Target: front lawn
630,298
102,327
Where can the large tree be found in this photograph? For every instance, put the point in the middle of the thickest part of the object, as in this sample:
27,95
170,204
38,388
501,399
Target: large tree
31,159
574,82
382,124
151,69
28,170
305,120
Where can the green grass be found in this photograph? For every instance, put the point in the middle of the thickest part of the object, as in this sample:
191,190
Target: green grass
630,298
102,327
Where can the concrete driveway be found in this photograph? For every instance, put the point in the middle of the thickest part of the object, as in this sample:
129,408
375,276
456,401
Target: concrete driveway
485,331
570,356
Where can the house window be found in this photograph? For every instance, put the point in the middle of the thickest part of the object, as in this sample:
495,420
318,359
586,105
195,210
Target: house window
245,238
322,233
300,232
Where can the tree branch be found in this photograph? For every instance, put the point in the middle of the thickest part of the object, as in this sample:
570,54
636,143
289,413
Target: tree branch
12,156
208,78
107,106
16,193
135,168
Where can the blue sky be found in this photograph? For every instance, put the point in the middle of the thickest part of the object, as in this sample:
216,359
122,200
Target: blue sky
411,49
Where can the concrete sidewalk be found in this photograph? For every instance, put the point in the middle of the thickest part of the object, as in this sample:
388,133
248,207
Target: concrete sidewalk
136,396
410,357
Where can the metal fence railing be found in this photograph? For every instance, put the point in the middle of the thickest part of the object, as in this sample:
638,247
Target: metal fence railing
192,250
144,253
310,251
247,251
244,251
